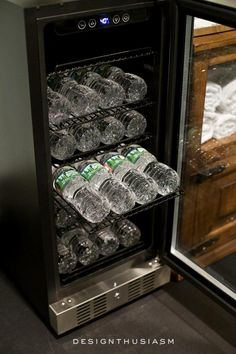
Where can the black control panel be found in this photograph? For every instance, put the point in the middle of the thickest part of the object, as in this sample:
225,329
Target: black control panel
102,20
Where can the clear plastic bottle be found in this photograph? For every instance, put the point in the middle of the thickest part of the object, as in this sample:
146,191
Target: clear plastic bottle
127,232
67,259
57,120
134,122
143,188
118,196
63,219
62,144
106,241
86,251
110,92
166,178
135,87
74,188
111,129
83,99
87,135
59,107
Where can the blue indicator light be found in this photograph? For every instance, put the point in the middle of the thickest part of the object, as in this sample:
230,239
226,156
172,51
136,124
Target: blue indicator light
104,21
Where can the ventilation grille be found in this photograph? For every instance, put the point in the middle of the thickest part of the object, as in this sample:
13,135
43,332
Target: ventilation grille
91,309
100,305
83,313
134,289
142,286
148,282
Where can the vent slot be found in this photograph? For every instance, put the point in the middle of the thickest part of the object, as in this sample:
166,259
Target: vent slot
91,309
141,286
100,305
134,289
83,313
148,282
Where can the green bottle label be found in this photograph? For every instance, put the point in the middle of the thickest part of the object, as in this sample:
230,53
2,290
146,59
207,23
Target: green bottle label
134,154
64,178
113,162
90,170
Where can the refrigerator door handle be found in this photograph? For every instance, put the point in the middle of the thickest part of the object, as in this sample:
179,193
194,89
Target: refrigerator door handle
201,176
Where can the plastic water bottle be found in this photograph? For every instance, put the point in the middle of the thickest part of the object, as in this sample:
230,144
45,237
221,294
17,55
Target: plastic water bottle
106,241
67,259
62,144
143,188
134,122
58,119
120,199
86,251
83,99
135,87
87,135
127,232
74,188
111,129
63,219
110,92
59,107
166,178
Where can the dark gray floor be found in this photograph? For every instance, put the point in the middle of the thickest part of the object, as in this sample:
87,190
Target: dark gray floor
225,271
178,311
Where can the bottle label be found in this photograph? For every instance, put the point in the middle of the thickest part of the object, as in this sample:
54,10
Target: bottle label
133,154
113,162
90,170
64,178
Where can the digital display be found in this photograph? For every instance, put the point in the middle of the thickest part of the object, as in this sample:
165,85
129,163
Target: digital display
104,21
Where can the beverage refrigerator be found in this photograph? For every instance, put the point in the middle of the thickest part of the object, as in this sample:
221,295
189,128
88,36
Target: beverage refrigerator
159,42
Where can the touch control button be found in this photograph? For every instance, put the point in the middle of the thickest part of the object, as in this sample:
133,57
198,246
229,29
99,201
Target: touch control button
92,23
125,17
81,24
116,19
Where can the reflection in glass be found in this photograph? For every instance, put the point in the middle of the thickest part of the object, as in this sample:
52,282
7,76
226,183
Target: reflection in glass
206,225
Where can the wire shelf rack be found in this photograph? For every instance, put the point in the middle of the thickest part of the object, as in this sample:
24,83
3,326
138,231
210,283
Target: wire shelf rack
122,252
89,64
101,114
78,156
112,217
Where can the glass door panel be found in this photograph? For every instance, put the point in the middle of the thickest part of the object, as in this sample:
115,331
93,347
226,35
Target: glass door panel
204,235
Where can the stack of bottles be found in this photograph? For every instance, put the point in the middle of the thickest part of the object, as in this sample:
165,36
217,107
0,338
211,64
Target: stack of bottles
76,246
84,92
114,181
88,136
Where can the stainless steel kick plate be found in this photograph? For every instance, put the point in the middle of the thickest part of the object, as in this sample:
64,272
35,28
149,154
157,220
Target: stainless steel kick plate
96,300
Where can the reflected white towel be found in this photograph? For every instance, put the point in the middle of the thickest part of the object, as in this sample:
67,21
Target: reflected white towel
225,125
208,126
228,103
213,96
